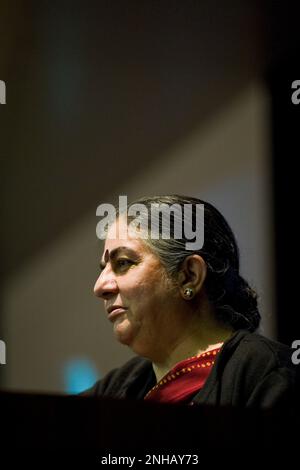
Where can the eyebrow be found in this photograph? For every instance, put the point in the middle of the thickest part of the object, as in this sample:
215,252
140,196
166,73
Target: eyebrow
115,252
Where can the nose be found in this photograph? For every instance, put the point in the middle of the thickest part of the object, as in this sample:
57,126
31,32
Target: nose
106,285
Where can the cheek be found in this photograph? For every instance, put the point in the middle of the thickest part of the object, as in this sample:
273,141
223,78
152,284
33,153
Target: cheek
143,292
144,286
153,292
132,290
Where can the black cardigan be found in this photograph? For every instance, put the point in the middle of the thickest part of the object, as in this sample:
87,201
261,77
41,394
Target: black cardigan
249,371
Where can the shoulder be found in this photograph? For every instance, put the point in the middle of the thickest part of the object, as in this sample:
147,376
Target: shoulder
258,349
259,370
264,349
250,357
117,381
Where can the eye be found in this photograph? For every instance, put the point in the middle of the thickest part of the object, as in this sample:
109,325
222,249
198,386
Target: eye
123,263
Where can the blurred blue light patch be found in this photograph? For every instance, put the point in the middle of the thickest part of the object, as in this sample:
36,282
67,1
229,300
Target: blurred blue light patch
79,374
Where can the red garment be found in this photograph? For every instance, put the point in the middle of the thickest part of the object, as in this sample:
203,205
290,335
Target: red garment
184,380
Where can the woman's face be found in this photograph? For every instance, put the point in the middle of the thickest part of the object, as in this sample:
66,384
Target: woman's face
138,296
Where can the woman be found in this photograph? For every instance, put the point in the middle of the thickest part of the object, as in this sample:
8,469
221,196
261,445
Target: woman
188,315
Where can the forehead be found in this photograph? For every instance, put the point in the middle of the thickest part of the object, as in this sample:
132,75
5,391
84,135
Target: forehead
119,235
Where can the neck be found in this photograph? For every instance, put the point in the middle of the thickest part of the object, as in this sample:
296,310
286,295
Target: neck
196,340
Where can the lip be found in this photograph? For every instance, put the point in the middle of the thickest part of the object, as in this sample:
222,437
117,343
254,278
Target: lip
113,312
114,307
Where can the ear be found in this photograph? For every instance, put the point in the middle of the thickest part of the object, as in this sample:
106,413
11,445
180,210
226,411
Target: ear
192,276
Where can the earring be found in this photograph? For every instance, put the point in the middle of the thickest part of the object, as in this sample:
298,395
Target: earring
188,293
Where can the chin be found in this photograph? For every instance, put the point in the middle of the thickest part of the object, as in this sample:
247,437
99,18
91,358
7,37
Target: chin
123,331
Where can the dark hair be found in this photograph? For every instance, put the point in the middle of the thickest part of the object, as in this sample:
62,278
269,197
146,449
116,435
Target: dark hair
234,300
